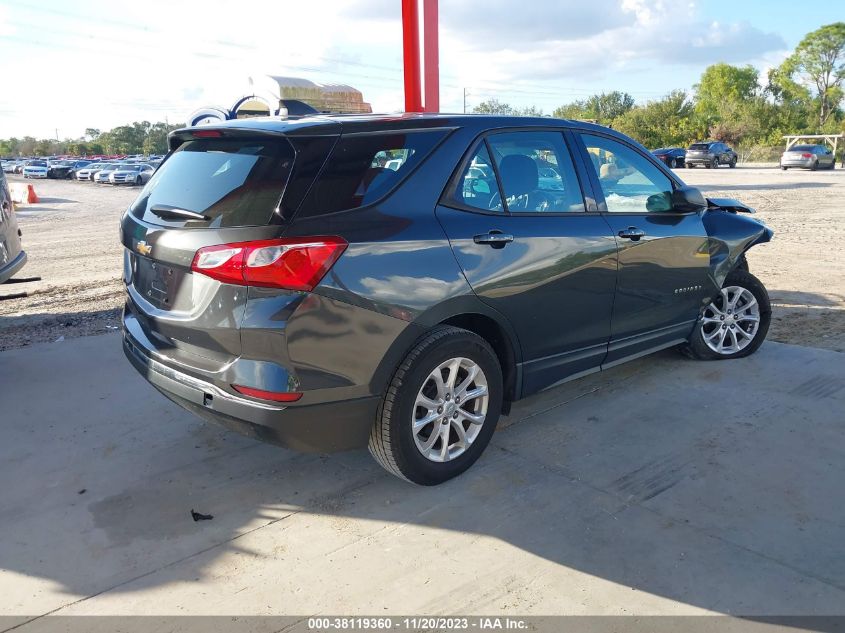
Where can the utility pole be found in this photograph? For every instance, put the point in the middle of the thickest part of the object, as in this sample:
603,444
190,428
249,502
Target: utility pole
57,134
465,100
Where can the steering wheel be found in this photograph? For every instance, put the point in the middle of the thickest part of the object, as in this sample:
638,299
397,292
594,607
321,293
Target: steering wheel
536,201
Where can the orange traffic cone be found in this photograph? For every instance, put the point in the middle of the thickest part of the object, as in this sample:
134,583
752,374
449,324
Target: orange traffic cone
31,197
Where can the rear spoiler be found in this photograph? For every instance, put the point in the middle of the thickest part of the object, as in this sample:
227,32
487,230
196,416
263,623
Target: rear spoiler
728,204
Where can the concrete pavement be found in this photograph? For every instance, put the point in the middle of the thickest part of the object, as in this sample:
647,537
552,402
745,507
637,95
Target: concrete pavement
665,486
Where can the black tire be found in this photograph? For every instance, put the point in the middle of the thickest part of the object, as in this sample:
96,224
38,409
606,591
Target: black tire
696,347
732,164
672,163
783,168
391,438
710,164
815,165
690,165
138,182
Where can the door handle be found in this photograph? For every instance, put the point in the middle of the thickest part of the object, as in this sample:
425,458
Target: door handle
494,238
632,233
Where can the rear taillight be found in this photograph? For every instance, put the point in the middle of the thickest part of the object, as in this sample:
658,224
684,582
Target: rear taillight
206,133
806,155
290,263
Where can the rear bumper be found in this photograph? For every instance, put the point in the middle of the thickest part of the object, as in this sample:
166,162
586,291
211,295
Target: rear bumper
9,270
805,163
328,427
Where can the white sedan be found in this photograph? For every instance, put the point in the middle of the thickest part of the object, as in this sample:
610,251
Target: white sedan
35,169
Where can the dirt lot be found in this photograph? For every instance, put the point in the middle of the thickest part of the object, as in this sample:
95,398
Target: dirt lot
72,241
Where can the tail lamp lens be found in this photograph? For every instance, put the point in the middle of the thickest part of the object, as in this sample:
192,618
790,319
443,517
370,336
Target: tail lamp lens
806,155
289,263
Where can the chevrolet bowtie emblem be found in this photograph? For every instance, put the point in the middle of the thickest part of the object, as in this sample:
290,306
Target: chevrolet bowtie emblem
143,248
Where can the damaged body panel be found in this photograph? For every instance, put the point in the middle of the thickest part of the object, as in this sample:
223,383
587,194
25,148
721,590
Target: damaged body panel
730,235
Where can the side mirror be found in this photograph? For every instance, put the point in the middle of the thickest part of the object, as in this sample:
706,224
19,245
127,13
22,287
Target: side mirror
688,200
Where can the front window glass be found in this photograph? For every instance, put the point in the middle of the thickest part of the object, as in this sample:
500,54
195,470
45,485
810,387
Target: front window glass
631,183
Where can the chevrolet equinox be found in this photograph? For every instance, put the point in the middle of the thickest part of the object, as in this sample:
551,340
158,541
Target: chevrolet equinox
396,282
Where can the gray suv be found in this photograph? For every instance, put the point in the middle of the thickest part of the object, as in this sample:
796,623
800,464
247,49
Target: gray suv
397,281
710,154
12,256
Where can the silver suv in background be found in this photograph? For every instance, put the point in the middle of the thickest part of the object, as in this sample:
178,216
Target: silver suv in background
811,157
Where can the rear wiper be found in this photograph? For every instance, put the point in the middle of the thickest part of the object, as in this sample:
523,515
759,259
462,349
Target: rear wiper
164,211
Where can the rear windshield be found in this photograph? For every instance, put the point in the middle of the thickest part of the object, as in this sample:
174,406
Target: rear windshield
700,146
234,182
802,148
364,168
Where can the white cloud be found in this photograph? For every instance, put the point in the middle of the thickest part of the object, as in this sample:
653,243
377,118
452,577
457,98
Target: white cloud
110,67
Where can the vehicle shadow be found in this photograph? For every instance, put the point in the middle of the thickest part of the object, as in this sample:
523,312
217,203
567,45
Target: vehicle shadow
643,478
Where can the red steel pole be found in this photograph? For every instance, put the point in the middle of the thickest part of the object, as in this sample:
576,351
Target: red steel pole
411,55
431,56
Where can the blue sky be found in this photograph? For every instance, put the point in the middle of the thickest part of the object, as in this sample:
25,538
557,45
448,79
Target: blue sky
100,63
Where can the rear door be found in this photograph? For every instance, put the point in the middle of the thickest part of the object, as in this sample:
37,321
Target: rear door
664,261
532,249
209,191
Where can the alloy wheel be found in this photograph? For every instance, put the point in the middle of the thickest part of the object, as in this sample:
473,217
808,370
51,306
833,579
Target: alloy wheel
730,323
450,409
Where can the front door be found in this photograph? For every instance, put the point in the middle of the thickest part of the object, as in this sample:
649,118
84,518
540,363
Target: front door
664,262
519,228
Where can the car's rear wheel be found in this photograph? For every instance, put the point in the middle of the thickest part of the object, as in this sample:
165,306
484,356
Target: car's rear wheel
736,321
732,164
814,165
783,168
138,181
672,163
440,409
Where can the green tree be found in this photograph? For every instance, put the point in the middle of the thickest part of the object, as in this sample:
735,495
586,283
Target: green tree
604,108
819,61
664,122
722,88
493,106
156,139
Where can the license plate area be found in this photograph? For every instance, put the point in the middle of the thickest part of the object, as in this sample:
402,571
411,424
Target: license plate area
160,284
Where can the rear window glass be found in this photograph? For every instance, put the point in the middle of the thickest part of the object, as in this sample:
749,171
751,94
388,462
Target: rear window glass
364,168
234,182
802,148
700,146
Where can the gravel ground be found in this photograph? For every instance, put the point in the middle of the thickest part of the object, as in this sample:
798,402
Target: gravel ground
71,237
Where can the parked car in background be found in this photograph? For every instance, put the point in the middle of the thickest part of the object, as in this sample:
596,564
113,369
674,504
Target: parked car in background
35,169
710,154
131,174
811,157
87,172
19,165
12,255
9,166
59,168
77,165
101,176
281,282
673,157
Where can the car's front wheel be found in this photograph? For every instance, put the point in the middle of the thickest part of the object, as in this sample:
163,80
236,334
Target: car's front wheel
440,409
735,323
